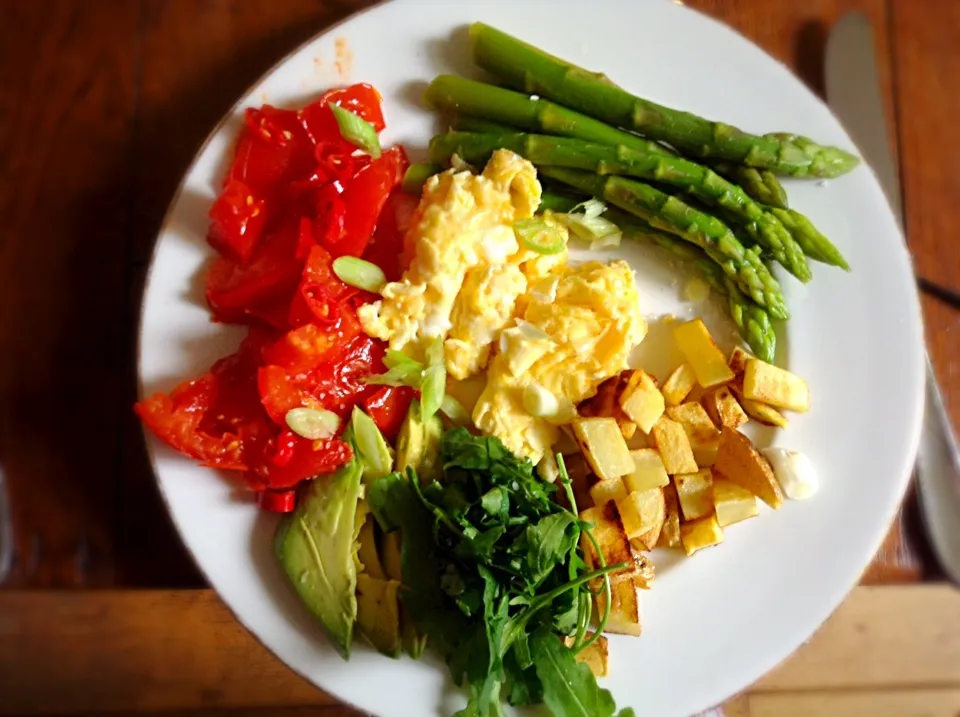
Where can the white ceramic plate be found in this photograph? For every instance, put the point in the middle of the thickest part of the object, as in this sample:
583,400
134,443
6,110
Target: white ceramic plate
712,624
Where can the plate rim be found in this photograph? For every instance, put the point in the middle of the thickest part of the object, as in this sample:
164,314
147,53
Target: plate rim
834,599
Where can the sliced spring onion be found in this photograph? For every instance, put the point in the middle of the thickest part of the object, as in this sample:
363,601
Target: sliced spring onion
401,371
600,232
434,384
376,455
591,208
539,235
356,130
417,175
312,424
360,273
454,410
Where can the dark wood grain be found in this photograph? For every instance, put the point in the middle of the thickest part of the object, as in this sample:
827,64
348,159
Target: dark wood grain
68,86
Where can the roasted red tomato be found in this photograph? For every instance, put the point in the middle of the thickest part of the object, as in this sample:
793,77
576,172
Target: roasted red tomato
238,219
308,460
320,124
387,407
347,231
280,393
273,150
386,248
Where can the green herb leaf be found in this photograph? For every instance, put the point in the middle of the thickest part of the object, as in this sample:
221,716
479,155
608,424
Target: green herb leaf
569,687
548,543
356,130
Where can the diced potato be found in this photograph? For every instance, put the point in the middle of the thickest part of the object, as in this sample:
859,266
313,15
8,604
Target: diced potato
610,536
723,408
738,360
624,609
607,490
642,512
701,351
672,442
595,656
648,471
627,428
772,385
695,421
695,493
733,503
603,446
761,412
367,553
670,533
604,402
705,450
650,538
678,385
642,401
739,462
699,534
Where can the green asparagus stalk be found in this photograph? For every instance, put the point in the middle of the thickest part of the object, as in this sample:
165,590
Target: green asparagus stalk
668,213
814,244
468,123
450,93
534,71
753,321
417,175
761,184
760,225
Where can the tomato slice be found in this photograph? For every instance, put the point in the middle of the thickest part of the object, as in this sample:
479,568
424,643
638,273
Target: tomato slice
386,248
308,460
273,150
238,218
320,124
348,231
279,393
233,288
320,294
388,407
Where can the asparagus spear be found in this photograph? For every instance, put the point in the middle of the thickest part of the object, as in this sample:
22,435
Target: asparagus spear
534,71
674,216
450,93
752,320
417,175
761,184
760,225
814,244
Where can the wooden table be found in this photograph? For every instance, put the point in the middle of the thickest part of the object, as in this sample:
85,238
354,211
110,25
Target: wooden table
102,105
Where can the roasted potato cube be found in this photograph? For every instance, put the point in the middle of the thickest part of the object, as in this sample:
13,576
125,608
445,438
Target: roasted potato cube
774,386
607,490
610,536
604,404
761,412
628,429
624,609
642,512
594,656
695,493
672,442
670,533
701,533
739,462
603,446
701,351
738,360
642,401
704,436
648,471
733,503
581,478
678,385
650,538
723,408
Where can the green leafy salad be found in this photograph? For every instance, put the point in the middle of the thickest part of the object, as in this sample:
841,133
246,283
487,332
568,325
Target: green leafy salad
461,548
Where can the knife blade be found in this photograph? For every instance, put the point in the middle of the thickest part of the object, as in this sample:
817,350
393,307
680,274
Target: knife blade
853,93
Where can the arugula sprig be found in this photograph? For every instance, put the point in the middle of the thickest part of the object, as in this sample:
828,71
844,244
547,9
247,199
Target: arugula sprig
493,574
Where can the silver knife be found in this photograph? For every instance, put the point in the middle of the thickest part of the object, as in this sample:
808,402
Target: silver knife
853,93
6,529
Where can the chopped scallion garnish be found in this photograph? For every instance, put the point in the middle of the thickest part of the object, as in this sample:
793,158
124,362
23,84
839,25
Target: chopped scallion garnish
356,130
359,273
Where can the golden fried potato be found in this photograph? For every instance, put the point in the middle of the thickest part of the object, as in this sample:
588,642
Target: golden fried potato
607,490
695,493
643,513
648,471
761,412
733,503
673,444
704,436
701,533
738,360
678,385
624,609
641,400
595,656
610,535
723,408
701,351
670,533
740,463
774,386
603,446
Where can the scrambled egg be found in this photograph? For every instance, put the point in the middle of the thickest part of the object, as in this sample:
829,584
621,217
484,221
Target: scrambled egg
530,320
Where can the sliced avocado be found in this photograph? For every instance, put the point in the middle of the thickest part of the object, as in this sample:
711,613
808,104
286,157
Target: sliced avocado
368,556
316,548
418,445
375,452
413,642
378,614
